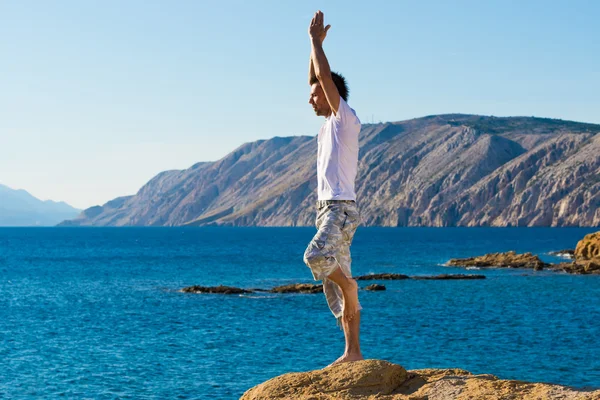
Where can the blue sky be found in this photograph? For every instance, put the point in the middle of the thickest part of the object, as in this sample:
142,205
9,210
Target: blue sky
96,97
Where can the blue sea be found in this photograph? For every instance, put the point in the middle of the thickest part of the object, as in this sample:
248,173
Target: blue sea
97,312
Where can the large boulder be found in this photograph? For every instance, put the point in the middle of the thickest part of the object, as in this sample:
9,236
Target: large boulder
382,380
588,248
509,259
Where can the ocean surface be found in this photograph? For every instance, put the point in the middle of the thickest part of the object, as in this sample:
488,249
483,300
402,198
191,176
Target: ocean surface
97,313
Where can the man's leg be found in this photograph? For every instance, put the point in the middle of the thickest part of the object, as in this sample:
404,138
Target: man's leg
349,289
350,319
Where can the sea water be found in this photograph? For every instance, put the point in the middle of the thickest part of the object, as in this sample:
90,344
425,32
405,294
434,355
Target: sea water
97,312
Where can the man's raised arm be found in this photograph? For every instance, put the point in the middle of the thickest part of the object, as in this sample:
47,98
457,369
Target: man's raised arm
319,66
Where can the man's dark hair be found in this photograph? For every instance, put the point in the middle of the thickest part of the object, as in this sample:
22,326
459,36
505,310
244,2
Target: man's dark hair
340,84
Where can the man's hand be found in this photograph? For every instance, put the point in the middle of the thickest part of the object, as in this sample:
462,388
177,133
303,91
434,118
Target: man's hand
316,29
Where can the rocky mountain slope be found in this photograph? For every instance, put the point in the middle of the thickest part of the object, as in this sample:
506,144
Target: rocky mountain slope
445,170
19,208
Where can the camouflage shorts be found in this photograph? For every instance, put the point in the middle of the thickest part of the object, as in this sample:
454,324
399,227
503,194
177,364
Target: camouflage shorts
330,247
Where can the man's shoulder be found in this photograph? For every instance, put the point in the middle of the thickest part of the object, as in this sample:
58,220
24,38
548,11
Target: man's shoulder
347,113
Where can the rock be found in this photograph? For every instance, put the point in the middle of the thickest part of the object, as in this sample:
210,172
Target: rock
588,247
375,287
506,260
449,276
382,380
355,380
214,289
570,253
381,277
593,266
298,288
579,267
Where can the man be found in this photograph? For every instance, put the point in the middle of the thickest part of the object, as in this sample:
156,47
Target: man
328,254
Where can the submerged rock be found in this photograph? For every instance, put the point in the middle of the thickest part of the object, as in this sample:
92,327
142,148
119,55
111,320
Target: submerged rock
507,260
298,288
450,276
564,253
378,277
214,289
375,287
382,380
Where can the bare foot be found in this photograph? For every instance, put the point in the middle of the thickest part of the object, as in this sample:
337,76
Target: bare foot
350,300
347,358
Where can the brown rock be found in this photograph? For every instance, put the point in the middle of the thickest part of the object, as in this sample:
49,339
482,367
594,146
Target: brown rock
375,287
507,260
298,288
588,247
579,267
214,289
355,380
381,380
593,266
450,276
381,277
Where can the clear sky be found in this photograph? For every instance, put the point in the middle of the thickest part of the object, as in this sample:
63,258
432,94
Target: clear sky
96,97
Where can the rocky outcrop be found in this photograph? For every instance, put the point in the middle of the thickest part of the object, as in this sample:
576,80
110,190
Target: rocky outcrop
568,253
586,257
311,288
375,287
298,288
509,259
381,277
579,267
588,248
215,289
382,380
450,276
446,170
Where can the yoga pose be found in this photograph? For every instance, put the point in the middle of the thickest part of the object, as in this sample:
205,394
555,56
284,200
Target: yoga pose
328,254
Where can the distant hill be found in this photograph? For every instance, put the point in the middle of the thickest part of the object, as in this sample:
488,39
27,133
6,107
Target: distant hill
19,208
441,170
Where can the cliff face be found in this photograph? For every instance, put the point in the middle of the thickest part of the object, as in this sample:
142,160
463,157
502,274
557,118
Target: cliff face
447,170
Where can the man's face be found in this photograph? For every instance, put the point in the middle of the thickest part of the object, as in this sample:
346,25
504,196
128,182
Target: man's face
318,100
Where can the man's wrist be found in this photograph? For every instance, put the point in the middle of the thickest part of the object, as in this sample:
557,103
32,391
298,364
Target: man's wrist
316,42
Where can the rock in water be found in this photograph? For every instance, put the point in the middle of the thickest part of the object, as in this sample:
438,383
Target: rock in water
508,260
382,277
587,257
298,288
588,248
214,289
570,253
449,276
382,380
375,287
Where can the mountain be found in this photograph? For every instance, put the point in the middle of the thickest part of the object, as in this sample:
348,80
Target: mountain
444,170
19,208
